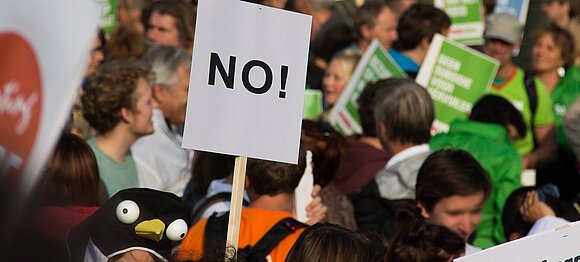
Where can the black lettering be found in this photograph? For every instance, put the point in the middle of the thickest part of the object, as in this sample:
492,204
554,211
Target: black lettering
246,77
216,62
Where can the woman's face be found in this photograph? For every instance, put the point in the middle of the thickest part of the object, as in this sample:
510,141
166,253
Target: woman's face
546,55
335,79
96,57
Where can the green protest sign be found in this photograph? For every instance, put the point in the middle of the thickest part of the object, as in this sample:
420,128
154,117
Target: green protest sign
312,104
108,15
466,20
374,65
456,77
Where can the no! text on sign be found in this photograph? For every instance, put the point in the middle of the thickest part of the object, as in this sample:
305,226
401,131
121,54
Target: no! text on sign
247,81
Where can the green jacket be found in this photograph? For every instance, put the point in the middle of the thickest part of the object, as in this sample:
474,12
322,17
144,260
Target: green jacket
563,95
489,144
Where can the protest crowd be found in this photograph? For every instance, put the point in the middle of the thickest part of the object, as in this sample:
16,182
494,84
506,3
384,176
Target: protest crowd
397,191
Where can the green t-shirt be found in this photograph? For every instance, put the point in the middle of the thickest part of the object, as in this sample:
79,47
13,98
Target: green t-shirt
563,95
115,176
514,90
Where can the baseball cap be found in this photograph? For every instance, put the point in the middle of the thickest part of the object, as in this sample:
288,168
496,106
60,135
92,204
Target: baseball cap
503,26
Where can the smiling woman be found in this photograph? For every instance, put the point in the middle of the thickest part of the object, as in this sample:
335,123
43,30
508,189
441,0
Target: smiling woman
338,74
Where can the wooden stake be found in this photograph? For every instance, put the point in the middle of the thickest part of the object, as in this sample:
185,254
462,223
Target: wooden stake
236,206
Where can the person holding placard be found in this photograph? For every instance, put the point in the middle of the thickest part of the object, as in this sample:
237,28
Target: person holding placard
502,36
416,28
118,104
161,162
451,190
271,189
375,20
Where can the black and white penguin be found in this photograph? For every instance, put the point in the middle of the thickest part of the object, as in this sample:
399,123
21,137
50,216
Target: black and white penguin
133,219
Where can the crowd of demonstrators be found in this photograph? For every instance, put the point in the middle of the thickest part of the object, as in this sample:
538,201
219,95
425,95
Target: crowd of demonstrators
396,192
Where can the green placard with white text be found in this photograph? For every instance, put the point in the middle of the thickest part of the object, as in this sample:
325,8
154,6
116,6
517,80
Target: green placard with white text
466,20
375,64
108,15
456,77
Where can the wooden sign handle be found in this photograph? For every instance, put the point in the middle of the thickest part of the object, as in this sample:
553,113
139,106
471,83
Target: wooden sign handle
236,206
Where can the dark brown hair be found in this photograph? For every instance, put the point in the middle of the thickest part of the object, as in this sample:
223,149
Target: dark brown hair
418,22
448,173
184,16
328,147
72,174
497,110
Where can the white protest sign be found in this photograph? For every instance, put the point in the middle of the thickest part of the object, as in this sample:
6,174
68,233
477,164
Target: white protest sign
248,74
44,47
560,244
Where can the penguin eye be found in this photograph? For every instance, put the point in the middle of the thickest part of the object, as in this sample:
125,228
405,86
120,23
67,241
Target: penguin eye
176,230
127,212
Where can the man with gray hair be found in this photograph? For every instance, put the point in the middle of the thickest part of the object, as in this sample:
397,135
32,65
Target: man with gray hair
161,162
404,114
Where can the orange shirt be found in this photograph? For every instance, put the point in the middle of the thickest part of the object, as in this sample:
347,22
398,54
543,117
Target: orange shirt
254,224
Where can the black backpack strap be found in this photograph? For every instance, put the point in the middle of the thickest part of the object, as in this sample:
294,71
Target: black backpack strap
272,238
205,203
530,85
215,234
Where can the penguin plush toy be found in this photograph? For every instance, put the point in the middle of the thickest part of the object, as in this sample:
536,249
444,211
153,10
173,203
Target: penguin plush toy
133,219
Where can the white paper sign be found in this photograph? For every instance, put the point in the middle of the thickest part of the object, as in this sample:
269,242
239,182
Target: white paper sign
246,90
560,244
44,47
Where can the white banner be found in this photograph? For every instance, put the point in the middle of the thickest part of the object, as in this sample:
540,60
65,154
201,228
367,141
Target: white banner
246,90
44,47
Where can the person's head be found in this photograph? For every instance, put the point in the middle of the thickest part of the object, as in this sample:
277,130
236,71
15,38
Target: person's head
333,243
488,7
97,54
126,42
400,6
338,73
497,110
404,113
557,9
503,34
129,13
271,178
419,24
424,242
172,22
208,166
119,93
72,174
171,66
328,147
366,104
553,49
451,189
375,19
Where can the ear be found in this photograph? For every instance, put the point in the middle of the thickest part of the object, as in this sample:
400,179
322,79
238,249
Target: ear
159,92
383,135
126,115
512,132
424,212
518,43
365,32
425,43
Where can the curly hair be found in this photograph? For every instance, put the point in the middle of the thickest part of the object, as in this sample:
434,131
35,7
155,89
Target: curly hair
111,88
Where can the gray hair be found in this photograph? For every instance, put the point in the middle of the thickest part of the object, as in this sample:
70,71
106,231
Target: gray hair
164,61
406,110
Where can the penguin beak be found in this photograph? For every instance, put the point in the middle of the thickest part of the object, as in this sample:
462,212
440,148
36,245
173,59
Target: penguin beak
151,229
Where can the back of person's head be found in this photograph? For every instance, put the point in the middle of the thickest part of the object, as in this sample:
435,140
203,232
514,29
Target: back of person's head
425,242
126,42
448,173
208,166
366,16
331,41
405,111
328,147
111,88
164,61
184,16
273,178
72,174
333,243
489,6
418,22
366,104
574,29
497,110
563,40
